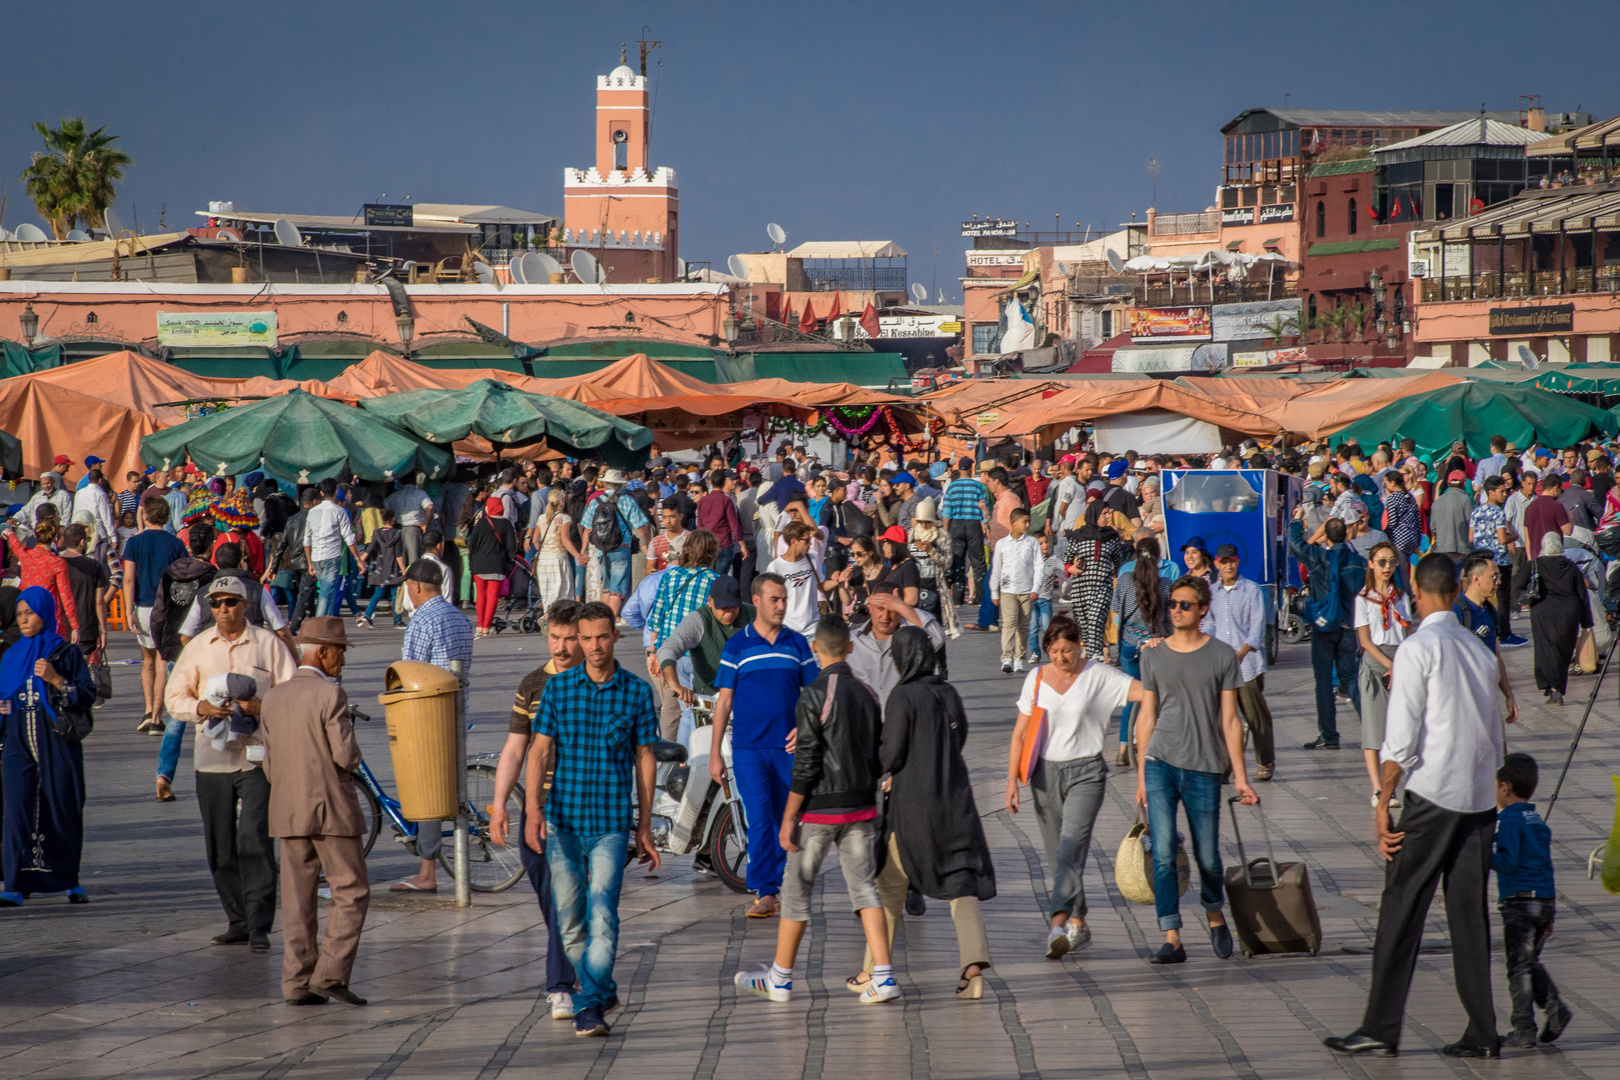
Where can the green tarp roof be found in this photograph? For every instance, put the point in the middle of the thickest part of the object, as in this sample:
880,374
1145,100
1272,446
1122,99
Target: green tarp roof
1474,411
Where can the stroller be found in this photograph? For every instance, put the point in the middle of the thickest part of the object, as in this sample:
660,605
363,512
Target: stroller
522,607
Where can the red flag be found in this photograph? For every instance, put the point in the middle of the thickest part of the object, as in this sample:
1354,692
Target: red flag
783,314
869,321
807,318
836,309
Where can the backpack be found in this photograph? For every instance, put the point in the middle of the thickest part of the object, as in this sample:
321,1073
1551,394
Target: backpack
605,534
1347,573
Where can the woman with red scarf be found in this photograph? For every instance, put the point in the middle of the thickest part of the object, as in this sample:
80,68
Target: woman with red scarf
40,566
1383,618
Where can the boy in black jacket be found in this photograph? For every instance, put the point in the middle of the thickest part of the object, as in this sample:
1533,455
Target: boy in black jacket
832,802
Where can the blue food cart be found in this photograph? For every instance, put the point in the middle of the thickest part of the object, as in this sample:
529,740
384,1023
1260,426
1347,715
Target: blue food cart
1247,508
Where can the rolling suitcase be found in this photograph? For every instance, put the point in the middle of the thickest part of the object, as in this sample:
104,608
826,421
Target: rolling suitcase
1271,903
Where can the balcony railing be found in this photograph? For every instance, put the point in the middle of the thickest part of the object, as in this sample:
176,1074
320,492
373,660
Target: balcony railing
1208,221
857,278
1491,285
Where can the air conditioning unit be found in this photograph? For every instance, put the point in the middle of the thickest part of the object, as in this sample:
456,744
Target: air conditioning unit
1419,268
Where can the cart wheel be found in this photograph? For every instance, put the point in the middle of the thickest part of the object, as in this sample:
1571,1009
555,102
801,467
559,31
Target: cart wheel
1293,629
529,624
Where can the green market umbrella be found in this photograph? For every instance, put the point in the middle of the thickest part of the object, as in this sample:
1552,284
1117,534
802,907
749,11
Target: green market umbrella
1473,412
507,416
301,437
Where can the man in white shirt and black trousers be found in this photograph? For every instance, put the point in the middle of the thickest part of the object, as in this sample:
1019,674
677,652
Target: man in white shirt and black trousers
1443,732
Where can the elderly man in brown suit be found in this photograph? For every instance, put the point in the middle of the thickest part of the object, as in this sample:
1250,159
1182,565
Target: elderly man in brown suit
309,752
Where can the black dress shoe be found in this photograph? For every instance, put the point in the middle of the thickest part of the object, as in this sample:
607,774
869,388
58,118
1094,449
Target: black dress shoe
308,997
229,937
1357,1043
1169,954
1461,1049
339,992
916,904
1320,743
259,941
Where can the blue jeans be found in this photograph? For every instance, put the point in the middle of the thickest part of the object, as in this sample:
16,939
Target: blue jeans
1040,617
1130,662
328,575
722,561
1200,794
1334,652
586,874
560,976
763,774
392,592
174,736
616,572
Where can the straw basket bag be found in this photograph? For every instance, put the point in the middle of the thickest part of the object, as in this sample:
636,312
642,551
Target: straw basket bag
1133,865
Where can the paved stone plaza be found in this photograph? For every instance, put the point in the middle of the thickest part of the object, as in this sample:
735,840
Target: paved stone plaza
129,986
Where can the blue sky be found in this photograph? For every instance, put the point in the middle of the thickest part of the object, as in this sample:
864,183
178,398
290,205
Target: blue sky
891,121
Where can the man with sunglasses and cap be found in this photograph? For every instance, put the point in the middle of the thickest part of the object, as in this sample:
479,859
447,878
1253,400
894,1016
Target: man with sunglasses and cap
240,854
310,752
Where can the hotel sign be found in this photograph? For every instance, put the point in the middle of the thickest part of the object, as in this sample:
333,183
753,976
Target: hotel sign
1158,324
1276,215
990,227
995,258
211,329
1533,321
1238,216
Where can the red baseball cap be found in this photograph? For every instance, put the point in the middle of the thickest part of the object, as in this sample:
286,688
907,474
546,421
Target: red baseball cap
1456,474
894,533
61,459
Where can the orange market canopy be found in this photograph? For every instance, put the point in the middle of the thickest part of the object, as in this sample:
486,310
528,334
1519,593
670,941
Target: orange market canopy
1145,398
1314,409
384,373
50,419
973,405
138,382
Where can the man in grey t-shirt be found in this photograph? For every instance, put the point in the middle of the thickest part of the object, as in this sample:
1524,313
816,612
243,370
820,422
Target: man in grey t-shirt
1186,734
1448,519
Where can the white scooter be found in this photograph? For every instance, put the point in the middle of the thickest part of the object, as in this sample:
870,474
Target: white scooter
691,812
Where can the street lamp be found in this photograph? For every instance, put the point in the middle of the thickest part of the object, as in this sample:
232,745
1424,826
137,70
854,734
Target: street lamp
29,323
729,326
407,330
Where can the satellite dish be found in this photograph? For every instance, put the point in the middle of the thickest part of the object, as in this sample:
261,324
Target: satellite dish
534,273
680,267
548,265
287,233
738,268
485,272
918,293
29,233
515,268
227,234
775,232
1114,262
586,268
77,236
1526,357
114,226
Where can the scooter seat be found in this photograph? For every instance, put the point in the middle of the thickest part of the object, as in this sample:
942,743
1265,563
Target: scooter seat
664,751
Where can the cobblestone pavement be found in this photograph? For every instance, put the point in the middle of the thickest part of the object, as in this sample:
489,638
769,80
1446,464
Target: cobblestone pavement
129,987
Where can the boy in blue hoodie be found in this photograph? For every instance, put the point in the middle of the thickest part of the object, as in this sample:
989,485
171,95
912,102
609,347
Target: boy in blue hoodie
1527,901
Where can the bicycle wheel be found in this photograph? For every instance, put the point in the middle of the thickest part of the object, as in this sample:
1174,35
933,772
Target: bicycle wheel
371,813
730,854
489,868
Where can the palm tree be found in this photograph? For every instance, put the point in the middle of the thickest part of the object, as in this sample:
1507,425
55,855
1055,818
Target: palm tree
72,183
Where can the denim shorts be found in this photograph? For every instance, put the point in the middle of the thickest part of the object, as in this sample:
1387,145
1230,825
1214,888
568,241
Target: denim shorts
856,842
616,572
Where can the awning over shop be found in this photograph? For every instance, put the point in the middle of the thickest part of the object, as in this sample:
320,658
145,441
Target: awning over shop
1473,411
1585,207
1088,401
1148,359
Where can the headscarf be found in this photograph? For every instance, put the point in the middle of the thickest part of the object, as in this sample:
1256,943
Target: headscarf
17,665
1552,545
912,653
1093,530
494,508
216,486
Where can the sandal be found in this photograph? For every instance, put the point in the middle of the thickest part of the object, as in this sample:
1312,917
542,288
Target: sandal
971,987
856,983
764,908
165,789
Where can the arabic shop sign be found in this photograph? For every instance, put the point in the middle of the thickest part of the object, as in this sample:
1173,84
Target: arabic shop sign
207,329
1238,216
1533,321
990,227
1156,324
1276,215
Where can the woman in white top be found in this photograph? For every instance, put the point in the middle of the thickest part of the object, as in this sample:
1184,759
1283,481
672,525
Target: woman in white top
1383,617
1079,699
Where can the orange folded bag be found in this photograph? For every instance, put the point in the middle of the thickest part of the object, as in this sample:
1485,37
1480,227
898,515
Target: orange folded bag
1036,735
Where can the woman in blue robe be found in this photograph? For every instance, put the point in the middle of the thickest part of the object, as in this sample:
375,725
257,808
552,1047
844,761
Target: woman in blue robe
43,832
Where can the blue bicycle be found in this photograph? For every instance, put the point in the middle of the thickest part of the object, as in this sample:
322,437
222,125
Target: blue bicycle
491,868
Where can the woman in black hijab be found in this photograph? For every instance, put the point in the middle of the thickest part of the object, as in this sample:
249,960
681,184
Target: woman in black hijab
934,838
1094,554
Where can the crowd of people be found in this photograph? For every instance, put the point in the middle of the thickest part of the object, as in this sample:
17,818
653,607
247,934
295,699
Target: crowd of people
816,604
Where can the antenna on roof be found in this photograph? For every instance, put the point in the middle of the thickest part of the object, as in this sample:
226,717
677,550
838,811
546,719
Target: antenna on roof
114,226
29,233
918,293
548,265
534,271
776,233
485,272
287,233
586,268
646,46
515,268
77,236
1115,263
1529,359
680,268
738,268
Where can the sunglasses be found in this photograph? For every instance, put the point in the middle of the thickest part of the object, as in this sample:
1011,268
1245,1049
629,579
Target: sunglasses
225,602
1183,605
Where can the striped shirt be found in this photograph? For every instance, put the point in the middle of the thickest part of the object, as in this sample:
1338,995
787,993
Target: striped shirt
1237,616
965,500
438,634
765,680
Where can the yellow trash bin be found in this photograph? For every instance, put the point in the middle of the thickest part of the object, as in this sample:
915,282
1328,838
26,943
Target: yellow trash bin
420,705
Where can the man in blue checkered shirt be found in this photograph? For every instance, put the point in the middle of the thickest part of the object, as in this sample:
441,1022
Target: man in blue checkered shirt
596,723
